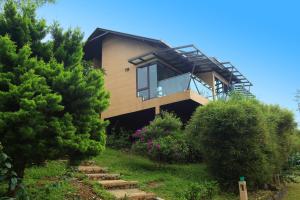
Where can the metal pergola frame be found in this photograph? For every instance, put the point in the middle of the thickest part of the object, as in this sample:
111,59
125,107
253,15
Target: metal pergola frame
189,58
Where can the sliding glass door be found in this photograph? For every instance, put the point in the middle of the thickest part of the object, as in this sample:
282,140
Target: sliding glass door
147,81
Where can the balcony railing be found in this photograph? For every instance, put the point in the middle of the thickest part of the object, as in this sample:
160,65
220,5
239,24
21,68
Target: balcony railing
182,83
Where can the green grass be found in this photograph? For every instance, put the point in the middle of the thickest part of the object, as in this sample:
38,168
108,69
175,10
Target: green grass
51,181
293,191
167,181
54,182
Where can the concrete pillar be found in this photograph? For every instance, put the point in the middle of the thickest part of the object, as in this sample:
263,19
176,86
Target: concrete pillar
157,110
243,190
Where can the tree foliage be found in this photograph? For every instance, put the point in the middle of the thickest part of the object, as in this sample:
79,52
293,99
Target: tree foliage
49,103
242,137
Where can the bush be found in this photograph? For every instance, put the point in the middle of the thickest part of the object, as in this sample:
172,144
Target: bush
10,184
119,139
295,142
171,148
241,137
162,140
203,191
280,126
230,135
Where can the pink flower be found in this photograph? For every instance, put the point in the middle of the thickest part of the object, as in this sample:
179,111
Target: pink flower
137,133
158,146
149,144
144,129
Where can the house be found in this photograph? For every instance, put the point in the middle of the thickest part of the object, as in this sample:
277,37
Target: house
145,76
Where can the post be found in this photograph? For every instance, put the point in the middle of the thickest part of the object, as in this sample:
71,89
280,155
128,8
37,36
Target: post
157,110
243,189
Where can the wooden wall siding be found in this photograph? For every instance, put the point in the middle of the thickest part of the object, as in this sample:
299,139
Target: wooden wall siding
121,83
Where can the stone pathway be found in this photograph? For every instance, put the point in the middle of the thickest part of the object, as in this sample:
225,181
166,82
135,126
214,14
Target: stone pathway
121,189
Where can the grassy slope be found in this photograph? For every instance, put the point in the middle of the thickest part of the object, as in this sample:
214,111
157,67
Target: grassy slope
293,191
49,182
57,181
167,181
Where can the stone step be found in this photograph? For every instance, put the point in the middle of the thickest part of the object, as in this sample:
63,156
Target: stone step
132,194
103,176
118,184
91,169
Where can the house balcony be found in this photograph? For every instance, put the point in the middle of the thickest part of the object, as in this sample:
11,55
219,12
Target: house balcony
176,84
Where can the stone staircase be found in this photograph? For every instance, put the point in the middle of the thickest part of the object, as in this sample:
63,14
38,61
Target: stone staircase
120,189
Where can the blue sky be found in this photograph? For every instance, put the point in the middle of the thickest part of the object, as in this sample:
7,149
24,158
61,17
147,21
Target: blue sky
261,38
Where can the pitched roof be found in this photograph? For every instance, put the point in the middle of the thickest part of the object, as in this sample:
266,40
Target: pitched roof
100,33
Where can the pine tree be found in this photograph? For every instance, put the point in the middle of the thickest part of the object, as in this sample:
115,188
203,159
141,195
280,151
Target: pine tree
50,102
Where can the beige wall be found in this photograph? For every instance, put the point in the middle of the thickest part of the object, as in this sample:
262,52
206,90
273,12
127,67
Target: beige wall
209,78
121,84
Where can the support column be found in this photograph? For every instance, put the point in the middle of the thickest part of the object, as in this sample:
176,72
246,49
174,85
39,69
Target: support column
213,86
157,110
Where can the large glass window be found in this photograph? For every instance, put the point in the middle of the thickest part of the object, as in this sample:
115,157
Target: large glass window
147,81
165,72
153,80
156,80
142,81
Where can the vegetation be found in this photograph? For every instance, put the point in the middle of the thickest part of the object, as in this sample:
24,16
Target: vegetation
170,181
242,137
203,191
56,180
9,180
293,189
50,99
49,182
295,144
119,138
162,140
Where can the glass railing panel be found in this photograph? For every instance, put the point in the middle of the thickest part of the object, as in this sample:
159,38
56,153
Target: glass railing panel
200,88
173,85
181,83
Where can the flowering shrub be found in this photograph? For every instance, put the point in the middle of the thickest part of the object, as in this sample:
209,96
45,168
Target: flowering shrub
162,140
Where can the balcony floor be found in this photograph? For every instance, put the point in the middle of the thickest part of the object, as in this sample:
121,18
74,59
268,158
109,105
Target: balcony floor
156,103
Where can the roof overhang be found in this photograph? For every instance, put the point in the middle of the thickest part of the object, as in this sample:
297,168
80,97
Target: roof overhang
93,43
188,58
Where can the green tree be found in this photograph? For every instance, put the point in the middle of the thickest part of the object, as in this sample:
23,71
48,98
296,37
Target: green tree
50,104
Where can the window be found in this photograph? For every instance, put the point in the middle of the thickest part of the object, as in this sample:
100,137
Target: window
147,81
142,78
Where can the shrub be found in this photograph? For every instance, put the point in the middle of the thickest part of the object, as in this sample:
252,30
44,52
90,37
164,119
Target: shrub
280,126
171,148
242,137
295,142
162,140
10,184
230,135
203,191
119,139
